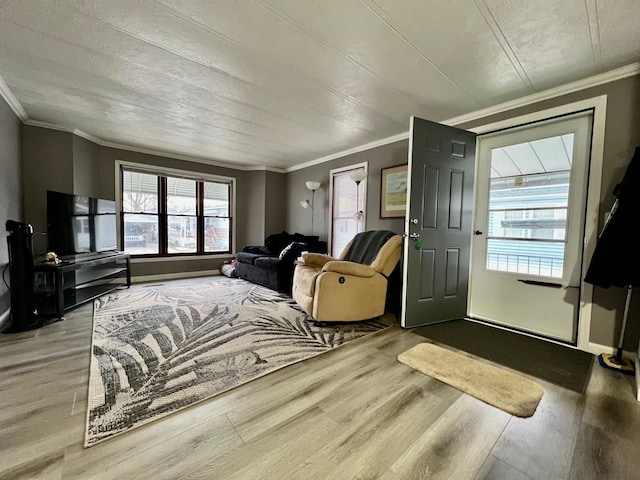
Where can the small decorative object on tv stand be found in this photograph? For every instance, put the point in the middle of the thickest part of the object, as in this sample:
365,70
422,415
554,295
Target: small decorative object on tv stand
51,258
78,279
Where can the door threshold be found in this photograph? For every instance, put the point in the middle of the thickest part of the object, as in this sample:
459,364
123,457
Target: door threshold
521,332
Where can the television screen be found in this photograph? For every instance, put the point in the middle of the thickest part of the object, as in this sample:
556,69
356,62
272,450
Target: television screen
79,224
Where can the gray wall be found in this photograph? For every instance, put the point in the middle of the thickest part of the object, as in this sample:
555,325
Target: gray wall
266,199
10,191
299,219
61,161
55,160
47,164
254,216
108,157
86,158
621,137
275,219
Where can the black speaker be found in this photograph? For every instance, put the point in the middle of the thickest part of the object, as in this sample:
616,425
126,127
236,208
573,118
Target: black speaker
24,315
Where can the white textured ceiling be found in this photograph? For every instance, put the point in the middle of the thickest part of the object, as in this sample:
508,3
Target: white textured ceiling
278,83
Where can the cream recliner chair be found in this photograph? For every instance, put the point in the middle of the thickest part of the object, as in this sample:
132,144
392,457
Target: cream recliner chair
352,287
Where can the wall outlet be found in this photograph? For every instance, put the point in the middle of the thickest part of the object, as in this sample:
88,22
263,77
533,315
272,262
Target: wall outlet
43,282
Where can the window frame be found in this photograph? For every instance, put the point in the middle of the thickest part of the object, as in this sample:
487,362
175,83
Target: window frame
200,178
363,193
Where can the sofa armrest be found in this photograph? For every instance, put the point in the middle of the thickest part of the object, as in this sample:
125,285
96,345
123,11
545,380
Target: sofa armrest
315,259
349,268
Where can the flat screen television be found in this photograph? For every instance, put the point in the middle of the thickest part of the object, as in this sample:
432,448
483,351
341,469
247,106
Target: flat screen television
77,224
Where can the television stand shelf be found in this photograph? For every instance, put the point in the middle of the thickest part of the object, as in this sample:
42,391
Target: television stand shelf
78,279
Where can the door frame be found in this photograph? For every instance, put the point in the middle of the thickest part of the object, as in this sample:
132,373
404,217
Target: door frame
546,312
594,182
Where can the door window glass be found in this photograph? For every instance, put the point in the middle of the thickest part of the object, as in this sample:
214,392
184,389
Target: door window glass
528,200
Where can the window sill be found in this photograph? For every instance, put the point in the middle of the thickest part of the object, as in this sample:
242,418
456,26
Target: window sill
181,258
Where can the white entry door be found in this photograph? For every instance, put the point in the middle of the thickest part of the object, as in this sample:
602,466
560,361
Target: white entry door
527,250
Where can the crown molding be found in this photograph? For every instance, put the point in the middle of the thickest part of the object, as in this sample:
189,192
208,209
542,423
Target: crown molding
150,151
596,80
351,151
263,168
187,158
50,126
87,136
12,101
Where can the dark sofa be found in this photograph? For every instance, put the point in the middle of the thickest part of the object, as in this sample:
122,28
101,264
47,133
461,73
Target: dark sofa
272,264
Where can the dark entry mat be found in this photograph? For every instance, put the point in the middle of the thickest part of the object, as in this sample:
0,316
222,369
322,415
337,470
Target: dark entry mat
548,361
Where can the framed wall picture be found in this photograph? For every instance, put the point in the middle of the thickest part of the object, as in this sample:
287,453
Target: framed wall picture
393,193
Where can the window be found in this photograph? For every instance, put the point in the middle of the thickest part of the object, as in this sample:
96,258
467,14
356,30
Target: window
165,214
346,199
140,213
528,223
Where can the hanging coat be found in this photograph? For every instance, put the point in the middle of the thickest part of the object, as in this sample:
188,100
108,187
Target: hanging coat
616,259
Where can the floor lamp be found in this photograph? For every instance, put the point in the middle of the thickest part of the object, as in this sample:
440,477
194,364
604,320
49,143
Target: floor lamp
313,186
358,177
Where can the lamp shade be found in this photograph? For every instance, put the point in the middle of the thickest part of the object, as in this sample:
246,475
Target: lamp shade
359,216
305,204
313,186
358,176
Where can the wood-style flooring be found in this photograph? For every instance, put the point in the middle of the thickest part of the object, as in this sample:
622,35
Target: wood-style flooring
353,413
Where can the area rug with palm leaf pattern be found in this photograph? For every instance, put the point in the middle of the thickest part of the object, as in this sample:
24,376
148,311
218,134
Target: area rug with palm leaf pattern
157,349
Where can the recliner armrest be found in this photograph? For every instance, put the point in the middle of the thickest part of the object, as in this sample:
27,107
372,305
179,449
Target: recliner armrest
349,268
315,259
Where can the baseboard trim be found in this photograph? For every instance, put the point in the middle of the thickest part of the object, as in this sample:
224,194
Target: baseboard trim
597,349
173,276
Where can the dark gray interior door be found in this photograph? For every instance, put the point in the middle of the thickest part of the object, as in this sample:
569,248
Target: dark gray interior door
438,229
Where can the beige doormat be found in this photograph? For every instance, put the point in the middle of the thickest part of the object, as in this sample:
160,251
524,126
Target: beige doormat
508,391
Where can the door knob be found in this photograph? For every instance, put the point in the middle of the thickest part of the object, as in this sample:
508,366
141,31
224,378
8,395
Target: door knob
414,236
477,232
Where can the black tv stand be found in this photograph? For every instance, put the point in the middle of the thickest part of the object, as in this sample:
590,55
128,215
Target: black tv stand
78,279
